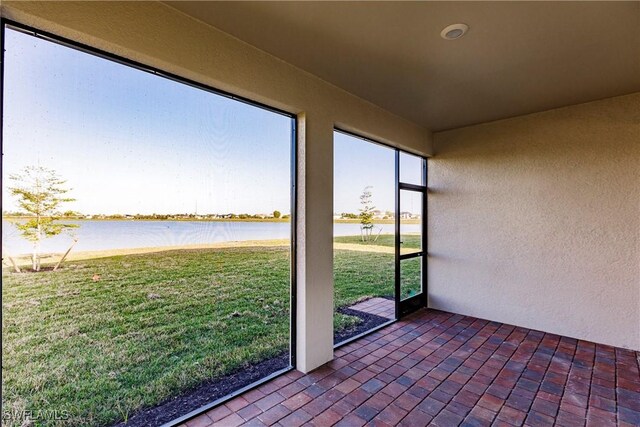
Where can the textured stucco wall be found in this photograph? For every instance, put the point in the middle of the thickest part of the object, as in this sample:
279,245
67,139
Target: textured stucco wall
535,221
159,36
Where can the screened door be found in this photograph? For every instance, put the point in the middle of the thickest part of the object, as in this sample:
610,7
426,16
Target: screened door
411,243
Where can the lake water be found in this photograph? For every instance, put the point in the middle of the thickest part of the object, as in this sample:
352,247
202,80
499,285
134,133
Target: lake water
102,235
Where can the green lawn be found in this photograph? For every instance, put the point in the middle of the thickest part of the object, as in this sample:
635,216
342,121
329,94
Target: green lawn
376,270
153,325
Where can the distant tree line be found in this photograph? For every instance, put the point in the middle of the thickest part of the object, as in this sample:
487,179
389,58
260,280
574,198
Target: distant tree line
77,215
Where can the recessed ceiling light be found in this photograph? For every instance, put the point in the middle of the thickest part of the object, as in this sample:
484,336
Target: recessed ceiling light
454,31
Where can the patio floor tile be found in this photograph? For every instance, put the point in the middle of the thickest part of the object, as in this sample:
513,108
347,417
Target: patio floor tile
444,369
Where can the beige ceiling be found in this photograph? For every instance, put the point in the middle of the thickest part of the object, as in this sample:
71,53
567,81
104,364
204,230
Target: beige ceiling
516,58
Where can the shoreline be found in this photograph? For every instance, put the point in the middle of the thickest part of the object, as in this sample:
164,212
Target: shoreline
276,220
25,259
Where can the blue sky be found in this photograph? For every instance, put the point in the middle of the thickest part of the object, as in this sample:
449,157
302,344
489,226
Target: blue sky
359,164
127,141
130,142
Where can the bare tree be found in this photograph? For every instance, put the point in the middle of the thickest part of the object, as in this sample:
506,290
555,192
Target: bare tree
40,191
366,214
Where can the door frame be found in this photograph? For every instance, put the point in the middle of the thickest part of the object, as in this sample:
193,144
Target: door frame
409,305
413,303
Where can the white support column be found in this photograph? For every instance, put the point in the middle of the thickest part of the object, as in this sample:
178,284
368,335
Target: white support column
314,316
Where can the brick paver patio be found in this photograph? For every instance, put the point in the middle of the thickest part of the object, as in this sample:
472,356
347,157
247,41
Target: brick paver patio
379,306
442,369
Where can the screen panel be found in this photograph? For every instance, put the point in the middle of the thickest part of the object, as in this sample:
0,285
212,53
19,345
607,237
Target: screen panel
157,265
411,169
364,235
